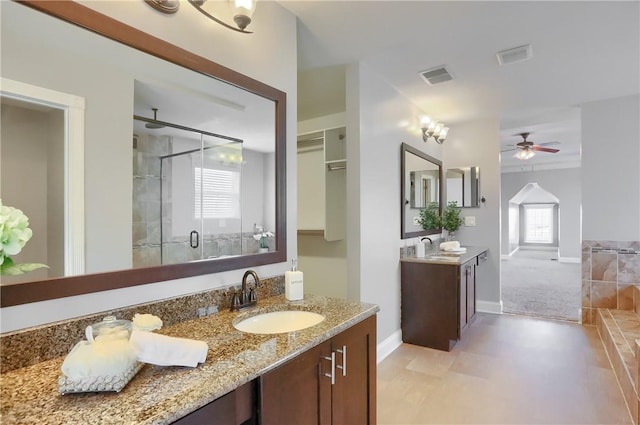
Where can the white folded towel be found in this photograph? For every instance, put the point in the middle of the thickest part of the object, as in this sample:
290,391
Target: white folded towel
456,250
450,245
165,350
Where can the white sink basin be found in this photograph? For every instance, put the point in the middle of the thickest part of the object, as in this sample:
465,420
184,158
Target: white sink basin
441,257
279,322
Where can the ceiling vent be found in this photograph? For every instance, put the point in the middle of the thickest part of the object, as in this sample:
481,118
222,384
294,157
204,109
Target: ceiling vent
517,54
436,75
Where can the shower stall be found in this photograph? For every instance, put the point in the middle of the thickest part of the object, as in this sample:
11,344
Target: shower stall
187,195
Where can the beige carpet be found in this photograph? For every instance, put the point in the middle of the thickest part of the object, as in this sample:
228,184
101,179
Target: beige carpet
534,283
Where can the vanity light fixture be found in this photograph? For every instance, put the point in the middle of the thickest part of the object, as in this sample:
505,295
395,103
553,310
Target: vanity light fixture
433,129
164,6
242,11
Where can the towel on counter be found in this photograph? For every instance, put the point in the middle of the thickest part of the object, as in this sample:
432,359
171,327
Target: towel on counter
449,246
163,350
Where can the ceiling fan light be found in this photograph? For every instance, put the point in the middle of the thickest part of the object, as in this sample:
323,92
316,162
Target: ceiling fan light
525,154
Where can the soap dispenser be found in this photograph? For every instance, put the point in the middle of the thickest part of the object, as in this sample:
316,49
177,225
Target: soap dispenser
293,284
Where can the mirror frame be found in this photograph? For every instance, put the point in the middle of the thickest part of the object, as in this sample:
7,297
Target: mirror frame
89,19
404,234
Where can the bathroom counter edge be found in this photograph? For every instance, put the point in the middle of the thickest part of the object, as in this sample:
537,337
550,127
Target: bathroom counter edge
472,252
161,395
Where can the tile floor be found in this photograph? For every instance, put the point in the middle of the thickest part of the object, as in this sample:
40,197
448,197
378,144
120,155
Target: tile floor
506,370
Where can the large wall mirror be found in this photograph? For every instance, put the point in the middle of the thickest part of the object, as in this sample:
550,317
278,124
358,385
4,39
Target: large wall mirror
182,160
463,186
421,184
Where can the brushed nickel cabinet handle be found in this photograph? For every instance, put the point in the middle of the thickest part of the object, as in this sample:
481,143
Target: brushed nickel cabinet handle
343,366
332,375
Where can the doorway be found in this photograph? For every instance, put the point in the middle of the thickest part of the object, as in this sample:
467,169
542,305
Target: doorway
536,279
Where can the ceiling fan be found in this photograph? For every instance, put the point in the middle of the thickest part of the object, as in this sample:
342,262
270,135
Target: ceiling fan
527,149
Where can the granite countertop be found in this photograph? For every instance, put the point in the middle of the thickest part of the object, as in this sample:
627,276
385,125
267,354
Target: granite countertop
443,257
161,395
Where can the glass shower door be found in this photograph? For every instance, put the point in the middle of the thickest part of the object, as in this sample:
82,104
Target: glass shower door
181,227
218,194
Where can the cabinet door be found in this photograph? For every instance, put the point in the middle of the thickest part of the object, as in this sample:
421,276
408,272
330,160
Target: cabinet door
298,393
462,295
354,393
234,408
471,293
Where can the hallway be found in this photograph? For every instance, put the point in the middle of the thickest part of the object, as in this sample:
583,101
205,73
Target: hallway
506,370
534,283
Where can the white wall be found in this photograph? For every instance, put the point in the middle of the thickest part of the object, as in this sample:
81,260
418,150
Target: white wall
477,143
379,119
252,55
610,171
564,184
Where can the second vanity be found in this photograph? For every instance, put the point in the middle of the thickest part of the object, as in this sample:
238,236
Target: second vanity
438,300
327,370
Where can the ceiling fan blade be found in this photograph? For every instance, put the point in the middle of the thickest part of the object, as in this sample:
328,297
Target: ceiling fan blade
543,149
548,144
509,150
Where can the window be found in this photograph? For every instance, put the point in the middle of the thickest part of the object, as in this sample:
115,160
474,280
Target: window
218,191
538,220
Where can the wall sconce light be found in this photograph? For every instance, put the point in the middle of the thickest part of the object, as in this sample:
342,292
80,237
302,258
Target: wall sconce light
242,11
433,129
164,6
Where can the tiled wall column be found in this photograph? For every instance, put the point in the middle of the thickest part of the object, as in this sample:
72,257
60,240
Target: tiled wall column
610,269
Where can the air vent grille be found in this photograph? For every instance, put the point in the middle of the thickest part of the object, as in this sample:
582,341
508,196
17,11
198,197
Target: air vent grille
517,54
436,75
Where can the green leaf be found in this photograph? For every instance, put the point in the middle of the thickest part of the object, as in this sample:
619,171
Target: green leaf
429,216
10,269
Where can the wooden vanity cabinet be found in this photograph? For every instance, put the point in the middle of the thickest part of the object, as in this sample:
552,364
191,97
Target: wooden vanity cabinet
234,408
438,302
301,391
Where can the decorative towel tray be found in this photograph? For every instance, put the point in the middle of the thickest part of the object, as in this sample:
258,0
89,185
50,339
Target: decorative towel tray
98,383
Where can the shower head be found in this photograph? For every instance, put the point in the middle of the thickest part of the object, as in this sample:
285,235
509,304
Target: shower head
153,125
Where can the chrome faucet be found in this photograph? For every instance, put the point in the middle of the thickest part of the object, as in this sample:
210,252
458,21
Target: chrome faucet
427,238
246,298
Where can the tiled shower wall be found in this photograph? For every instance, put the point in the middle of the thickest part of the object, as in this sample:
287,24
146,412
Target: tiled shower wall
610,269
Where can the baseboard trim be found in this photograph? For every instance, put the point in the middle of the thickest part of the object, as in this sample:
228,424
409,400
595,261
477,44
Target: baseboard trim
569,260
387,346
538,248
489,307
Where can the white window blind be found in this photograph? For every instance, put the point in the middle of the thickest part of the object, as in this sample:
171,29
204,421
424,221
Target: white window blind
538,219
218,191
